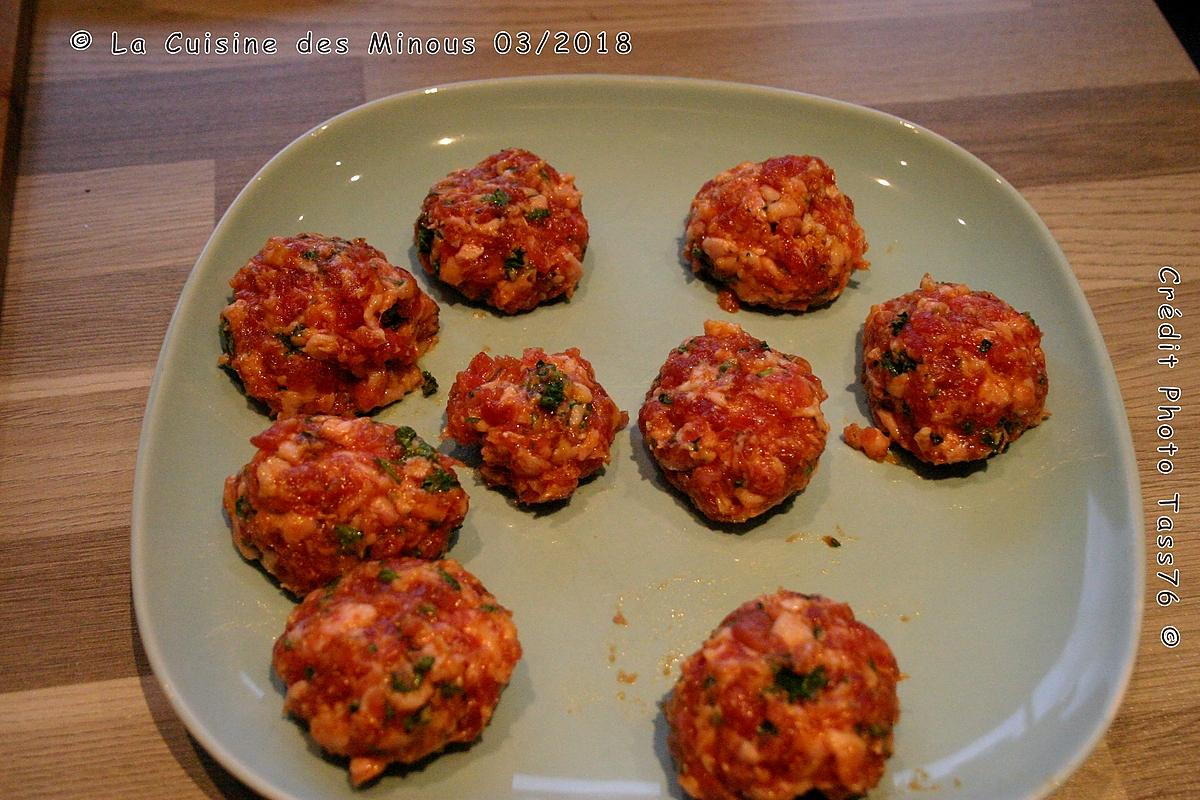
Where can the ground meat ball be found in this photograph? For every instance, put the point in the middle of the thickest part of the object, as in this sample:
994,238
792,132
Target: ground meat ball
543,422
950,374
396,661
324,493
789,694
778,233
735,425
509,232
321,325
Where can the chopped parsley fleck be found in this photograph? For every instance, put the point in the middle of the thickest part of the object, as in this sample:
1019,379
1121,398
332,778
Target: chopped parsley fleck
427,610
897,363
389,467
387,574
537,215
285,338
450,579
995,439
429,384
665,398
309,255
800,686
242,507
767,728
439,480
392,318
353,706
226,334
873,730
551,385
514,265
413,445
725,367
424,239
762,373
405,683
498,198
818,631
415,720
489,608
702,258
348,537
985,345
449,689
1029,317
898,322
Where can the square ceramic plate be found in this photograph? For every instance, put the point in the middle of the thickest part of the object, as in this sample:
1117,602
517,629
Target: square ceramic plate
1010,593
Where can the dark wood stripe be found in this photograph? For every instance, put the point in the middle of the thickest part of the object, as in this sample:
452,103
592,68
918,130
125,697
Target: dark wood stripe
1069,136
16,28
243,113
85,578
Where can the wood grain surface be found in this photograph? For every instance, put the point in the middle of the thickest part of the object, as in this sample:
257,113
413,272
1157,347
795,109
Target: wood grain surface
125,162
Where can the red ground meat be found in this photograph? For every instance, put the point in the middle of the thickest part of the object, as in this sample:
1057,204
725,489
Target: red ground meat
951,374
543,422
778,233
321,325
324,493
789,694
734,424
396,661
509,232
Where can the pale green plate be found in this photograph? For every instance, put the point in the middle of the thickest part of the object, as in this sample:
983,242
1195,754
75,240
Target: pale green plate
1010,594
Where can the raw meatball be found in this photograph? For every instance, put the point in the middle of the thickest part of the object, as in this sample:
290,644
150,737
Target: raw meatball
950,374
789,694
543,422
396,661
321,325
509,232
324,493
778,233
733,424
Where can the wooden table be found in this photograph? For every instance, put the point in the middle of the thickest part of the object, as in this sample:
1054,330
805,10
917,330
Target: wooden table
126,161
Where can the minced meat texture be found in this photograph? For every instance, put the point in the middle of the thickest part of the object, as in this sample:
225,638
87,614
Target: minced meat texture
395,661
542,421
950,374
508,232
322,325
789,694
323,493
779,233
733,423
